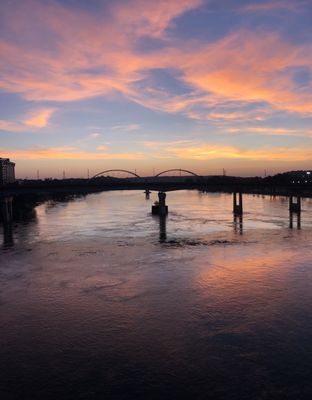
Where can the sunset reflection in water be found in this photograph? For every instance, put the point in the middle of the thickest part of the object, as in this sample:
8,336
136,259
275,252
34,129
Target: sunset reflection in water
97,292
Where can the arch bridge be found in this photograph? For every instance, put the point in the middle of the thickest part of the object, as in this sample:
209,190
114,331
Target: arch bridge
177,170
116,170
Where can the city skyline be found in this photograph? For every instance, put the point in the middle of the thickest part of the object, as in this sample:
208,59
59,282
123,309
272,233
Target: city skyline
198,84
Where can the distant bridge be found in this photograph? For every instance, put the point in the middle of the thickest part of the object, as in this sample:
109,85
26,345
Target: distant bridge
138,176
116,170
177,170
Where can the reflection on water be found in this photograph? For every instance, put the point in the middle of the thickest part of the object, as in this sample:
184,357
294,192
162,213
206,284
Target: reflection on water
297,218
8,240
192,215
162,228
238,224
98,299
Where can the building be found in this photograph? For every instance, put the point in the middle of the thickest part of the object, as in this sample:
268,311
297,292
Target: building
7,171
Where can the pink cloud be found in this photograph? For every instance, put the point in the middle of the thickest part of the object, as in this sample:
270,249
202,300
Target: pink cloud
71,63
34,120
39,118
149,18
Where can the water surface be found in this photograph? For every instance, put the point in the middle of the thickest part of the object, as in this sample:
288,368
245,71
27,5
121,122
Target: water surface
98,299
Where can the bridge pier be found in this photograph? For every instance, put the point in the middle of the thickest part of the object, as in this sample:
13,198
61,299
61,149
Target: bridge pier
291,220
160,208
6,209
6,216
237,205
295,206
147,194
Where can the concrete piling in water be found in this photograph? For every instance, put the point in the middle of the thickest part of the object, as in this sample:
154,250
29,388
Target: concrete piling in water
237,205
6,217
294,206
160,207
297,217
6,209
147,194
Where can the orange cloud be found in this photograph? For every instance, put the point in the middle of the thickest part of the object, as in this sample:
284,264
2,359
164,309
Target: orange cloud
68,153
36,119
270,131
250,67
11,126
188,150
208,152
39,118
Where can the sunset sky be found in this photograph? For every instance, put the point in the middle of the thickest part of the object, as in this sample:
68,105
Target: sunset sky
150,85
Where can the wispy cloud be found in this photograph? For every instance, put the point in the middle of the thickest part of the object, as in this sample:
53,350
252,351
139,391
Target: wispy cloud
242,67
36,119
270,131
39,118
126,127
192,150
94,135
11,126
68,153
213,151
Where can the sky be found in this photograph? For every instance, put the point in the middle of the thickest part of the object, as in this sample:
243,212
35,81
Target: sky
203,85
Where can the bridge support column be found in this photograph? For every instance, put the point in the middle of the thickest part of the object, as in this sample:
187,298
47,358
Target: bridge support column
237,205
147,194
6,209
295,207
297,218
160,207
6,216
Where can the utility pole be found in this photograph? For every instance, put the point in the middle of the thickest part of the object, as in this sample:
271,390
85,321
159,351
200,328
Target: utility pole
38,174
88,174
64,176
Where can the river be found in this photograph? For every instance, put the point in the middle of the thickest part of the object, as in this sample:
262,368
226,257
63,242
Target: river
99,299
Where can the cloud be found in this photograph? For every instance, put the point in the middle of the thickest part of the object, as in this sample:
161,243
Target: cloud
39,118
94,135
11,126
58,61
126,127
251,67
147,18
67,153
270,131
191,150
35,120
213,151
71,63
102,148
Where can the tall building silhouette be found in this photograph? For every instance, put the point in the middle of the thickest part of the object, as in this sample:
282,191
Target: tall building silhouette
7,171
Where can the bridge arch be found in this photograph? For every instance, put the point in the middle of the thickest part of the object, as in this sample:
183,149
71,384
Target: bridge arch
177,169
116,170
